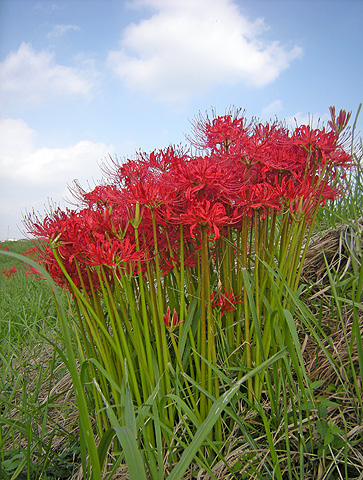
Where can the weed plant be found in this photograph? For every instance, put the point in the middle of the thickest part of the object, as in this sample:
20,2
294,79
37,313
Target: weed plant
38,423
26,306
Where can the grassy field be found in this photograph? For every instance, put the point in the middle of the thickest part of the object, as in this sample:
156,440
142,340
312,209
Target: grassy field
38,434
308,423
38,431
26,306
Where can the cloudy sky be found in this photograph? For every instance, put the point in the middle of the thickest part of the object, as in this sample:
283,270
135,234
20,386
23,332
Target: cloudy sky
84,79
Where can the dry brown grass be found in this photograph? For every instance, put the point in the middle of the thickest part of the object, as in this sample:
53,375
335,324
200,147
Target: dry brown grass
47,385
339,248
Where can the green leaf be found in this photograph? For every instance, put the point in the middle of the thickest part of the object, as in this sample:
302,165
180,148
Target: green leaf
132,455
216,410
316,384
329,437
322,426
128,442
104,444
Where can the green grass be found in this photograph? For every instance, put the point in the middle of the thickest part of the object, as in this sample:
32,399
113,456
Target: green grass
38,426
307,424
26,305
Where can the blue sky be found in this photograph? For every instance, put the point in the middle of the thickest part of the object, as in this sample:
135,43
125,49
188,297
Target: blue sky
84,79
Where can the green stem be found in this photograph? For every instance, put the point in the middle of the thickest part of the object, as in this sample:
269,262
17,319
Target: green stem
203,323
191,396
144,313
161,308
247,332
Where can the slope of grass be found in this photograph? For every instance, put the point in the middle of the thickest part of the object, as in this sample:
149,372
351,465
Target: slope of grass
307,424
26,305
38,426
309,429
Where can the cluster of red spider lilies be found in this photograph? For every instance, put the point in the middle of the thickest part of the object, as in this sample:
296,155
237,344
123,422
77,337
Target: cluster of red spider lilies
214,234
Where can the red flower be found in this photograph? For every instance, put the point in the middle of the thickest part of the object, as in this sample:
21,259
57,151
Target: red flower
9,273
204,212
148,193
259,197
102,195
174,320
340,123
225,302
243,169
303,194
220,132
169,263
4,247
193,176
113,252
320,146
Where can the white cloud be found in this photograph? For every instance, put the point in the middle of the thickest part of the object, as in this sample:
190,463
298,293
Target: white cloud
47,6
20,160
29,78
272,108
31,175
16,140
60,30
315,120
189,46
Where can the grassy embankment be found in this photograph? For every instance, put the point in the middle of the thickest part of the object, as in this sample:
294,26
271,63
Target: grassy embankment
288,434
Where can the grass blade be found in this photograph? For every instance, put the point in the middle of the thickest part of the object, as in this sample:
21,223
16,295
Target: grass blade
128,442
84,420
216,410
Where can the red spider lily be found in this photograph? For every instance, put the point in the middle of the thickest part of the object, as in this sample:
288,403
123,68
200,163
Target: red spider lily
204,212
224,131
169,263
146,182
246,168
303,194
274,150
69,232
34,272
340,123
113,252
4,247
34,253
102,195
318,144
221,132
161,161
10,272
225,302
130,172
191,260
339,158
171,325
261,197
207,177
147,167
150,194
